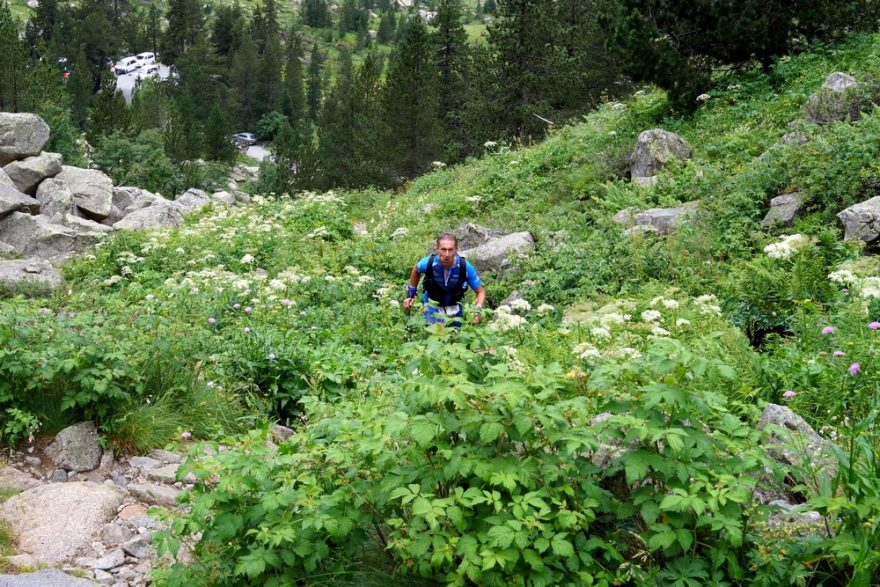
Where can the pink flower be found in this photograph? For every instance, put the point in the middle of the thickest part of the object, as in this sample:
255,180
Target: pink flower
286,302
839,354
186,434
789,394
827,330
854,368
248,309
246,329
874,325
212,321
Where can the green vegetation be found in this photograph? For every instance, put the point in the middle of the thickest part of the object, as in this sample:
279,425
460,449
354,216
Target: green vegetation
476,457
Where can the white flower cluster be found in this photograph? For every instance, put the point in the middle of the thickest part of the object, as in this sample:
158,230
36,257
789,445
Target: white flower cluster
399,232
667,303
614,319
787,247
859,277
707,304
505,318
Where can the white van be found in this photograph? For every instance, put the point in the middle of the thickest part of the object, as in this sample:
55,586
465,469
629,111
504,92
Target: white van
126,64
146,58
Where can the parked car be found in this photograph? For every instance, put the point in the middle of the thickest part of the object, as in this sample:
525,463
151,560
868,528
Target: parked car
126,65
244,139
149,71
146,58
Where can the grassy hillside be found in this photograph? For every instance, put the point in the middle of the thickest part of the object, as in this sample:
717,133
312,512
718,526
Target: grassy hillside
473,457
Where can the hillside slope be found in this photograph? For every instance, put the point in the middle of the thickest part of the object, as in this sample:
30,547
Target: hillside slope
477,457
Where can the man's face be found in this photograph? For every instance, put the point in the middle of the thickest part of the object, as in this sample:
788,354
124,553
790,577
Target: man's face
446,250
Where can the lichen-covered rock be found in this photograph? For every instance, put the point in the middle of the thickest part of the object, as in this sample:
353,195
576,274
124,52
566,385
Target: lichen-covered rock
76,448
498,254
27,173
21,135
665,220
55,197
37,236
790,440
654,150
191,200
471,236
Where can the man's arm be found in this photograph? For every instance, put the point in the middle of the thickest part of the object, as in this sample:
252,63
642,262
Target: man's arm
414,278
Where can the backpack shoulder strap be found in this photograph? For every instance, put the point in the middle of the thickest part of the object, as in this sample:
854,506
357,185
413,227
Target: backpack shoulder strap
429,271
462,273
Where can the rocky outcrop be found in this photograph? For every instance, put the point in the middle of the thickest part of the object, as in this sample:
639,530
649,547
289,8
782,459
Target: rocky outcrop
498,254
28,173
12,200
37,236
784,210
838,99
92,190
21,135
790,440
76,448
861,221
55,197
654,150
224,198
45,578
19,273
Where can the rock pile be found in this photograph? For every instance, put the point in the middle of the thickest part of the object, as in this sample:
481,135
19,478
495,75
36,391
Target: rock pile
50,211
83,512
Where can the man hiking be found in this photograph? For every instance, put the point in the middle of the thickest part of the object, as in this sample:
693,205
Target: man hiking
447,278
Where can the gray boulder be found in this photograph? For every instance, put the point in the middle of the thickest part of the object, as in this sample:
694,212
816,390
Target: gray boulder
92,190
497,254
28,272
837,99
44,578
471,236
4,180
55,197
12,200
81,225
156,216
861,221
36,236
11,479
21,135
191,200
784,210
223,197
790,440
654,150
242,172
129,199
665,220
76,448
154,494
52,522
26,174
241,197
626,217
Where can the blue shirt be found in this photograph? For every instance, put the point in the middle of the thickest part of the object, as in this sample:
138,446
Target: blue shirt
473,280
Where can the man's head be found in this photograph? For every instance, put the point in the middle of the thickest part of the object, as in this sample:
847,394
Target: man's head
446,248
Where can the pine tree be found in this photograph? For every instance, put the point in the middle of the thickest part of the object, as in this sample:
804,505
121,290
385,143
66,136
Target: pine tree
410,103
218,146
336,126
451,58
79,86
197,92
368,135
315,13
293,81
12,58
109,112
315,83
45,16
386,28
243,79
154,27
228,30
185,22
269,69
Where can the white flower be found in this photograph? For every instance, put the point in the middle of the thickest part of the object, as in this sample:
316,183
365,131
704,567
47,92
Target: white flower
787,247
703,97
844,277
438,165
651,315
398,232
682,322
520,305
708,304
545,309
126,270
473,199
670,304
329,278
504,321
490,144
394,303
658,331
618,106
179,250
600,332
248,258
585,350
613,318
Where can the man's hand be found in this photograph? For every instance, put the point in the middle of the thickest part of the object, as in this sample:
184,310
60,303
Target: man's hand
407,304
476,318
